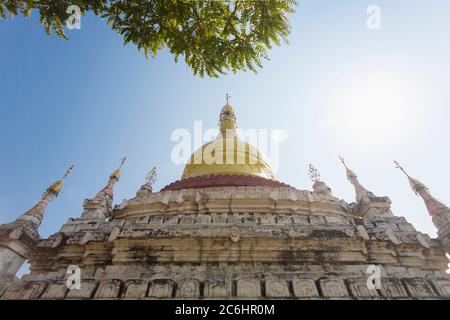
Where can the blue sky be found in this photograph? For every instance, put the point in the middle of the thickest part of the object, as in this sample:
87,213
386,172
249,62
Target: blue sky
338,88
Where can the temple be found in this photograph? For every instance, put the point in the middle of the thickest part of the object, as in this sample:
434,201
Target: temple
229,229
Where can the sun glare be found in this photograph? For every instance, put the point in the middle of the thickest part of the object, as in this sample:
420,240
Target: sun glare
374,109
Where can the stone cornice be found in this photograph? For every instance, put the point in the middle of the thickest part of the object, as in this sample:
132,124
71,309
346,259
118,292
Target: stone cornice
232,199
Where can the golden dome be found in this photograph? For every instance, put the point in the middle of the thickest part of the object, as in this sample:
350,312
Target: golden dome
227,154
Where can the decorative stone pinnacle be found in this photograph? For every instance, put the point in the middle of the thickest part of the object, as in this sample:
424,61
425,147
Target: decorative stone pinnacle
151,176
313,173
147,187
350,173
360,191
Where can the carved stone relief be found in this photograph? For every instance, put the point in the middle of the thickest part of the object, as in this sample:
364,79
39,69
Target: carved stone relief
248,288
304,288
276,288
108,289
188,289
85,292
358,288
136,288
392,288
160,288
217,289
333,288
55,291
417,287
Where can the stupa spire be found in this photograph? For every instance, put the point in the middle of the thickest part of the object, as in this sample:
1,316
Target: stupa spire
353,178
439,212
114,177
227,118
100,207
35,215
415,184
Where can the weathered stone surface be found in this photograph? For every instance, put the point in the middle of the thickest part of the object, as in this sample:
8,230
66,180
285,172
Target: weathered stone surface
418,287
392,288
359,289
160,288
14,292
442,286
217,289
333,288
188,289
304,288
25,290
34,290
249,288
136,288
55,291
108,289
85,292
276,288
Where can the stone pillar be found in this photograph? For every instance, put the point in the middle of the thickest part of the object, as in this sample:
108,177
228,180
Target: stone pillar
10,263
17,241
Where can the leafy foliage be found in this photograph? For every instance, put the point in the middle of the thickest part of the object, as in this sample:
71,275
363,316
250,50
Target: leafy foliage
214,36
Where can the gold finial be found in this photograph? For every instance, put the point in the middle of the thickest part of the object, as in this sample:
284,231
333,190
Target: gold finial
313,173
150,178
56,187
116,174
227,118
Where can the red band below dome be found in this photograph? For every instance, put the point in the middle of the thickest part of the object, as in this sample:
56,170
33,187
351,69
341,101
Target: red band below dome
223,180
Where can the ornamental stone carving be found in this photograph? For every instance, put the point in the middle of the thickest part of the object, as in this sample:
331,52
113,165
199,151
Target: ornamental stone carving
358,288
55,291
442,286
276,288
108,289
235,234
25,290
304,288
249,288
188,289
160,288
136,289
392,288
418,287
85,292
217,289
333,288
